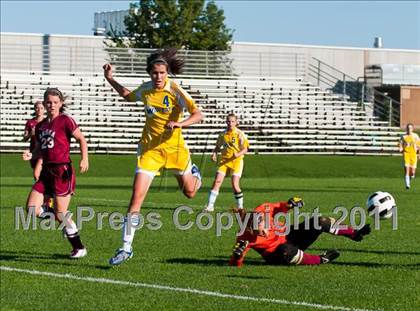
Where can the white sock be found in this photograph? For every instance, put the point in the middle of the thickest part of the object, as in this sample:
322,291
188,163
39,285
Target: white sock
212,198
407,180
130,222
239,198
71,229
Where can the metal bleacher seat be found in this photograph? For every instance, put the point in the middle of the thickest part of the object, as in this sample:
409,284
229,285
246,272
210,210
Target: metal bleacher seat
279,115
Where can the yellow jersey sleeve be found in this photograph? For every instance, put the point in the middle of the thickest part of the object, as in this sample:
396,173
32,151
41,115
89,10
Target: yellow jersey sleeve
183,98
136,95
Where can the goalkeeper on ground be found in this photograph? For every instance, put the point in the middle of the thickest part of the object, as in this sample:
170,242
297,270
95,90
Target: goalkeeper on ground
277,248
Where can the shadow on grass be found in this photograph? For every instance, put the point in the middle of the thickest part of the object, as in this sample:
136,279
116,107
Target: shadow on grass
224,262
248,277
414,266
215,261
46,258
197,261
368,251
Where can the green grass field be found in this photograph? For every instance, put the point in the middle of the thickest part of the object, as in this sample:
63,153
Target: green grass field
380,273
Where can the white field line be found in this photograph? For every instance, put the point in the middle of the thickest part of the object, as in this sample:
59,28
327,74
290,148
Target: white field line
180,289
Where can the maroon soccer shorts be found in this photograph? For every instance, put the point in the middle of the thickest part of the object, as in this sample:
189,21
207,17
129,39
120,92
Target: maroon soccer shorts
56,180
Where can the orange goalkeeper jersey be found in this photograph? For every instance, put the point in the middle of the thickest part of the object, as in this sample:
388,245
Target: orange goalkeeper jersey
264,245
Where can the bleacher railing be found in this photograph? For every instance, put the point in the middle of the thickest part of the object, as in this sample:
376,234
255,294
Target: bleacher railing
328,77
53,58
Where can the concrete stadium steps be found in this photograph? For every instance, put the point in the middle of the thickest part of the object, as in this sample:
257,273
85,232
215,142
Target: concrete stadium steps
278,115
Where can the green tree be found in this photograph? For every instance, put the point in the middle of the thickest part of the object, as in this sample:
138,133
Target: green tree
140,24
211,32
183,24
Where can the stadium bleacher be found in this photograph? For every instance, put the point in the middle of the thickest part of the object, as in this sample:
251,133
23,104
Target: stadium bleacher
279,115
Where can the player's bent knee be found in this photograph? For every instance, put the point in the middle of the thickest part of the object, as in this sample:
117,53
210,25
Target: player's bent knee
189,194
325,223
288,253
33,209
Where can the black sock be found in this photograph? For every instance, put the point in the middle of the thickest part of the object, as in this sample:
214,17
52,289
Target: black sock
75,241
238,195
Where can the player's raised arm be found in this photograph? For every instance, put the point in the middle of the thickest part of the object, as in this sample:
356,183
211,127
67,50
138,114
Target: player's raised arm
84,162
124,92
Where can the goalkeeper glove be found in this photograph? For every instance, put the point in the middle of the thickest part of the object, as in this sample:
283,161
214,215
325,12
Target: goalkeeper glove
239,248
295,202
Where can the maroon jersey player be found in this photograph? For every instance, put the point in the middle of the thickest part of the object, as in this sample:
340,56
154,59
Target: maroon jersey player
54,173
29,133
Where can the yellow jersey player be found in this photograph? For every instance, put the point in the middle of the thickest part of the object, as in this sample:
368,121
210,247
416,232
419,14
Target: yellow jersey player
233,145
409,146
161,144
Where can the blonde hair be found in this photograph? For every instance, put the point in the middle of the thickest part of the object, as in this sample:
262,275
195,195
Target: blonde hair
232,115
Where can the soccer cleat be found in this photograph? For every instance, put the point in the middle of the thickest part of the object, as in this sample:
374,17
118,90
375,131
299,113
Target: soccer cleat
46,211
208,209
196,171
329,256
359,234
295,202
239,248
78,253
120,256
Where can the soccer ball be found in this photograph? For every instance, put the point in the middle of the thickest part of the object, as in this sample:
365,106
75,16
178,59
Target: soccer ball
381,203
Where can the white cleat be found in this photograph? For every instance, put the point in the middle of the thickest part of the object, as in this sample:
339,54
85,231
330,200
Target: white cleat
196,171
208,209
120,256
78,253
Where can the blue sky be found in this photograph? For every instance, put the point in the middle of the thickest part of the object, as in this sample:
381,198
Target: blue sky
345,23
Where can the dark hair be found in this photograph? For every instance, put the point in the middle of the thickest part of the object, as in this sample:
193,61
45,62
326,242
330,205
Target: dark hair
249,226
409,124
38,102
167,57
53,91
